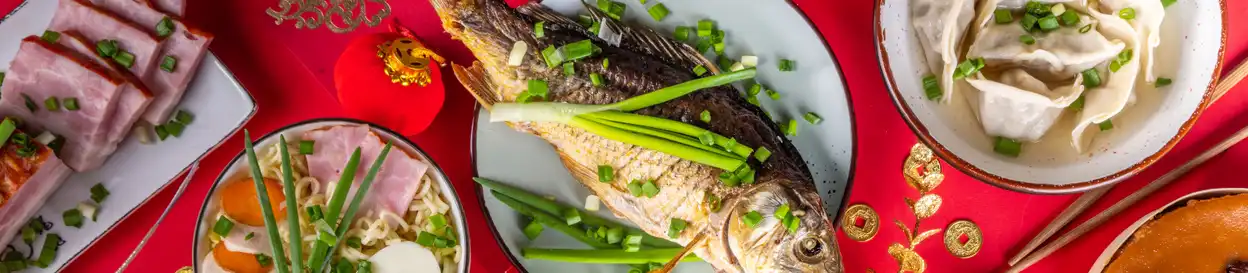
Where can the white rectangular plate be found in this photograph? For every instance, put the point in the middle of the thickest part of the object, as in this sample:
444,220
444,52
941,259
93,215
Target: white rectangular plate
136,171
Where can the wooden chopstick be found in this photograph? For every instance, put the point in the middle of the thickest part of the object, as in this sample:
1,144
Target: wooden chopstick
1078,207
1075,209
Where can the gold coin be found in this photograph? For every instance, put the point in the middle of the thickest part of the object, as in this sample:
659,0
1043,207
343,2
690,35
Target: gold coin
870,222
953,239
186,269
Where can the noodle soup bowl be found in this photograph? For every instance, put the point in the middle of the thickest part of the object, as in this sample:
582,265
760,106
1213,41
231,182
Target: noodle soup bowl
1193,37
239,169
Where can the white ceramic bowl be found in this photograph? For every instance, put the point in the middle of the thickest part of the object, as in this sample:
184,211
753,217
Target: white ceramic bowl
1193,40
1113,248
212,204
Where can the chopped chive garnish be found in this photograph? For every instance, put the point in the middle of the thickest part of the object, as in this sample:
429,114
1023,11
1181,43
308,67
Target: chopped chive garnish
616,10
1085,28
729,179
70,104
578,50
1038,8
634,188
746,175
72,217
676,227
595,27
754,89
762,154
1027,39
699,70
30,104
174,128
552,56
1003,16
437,220
264,260
124,58
533,229
28,235
537,88
682,33
1048,23
315,213
615,234
632,243
99,193
787,65
596,79
306,147
569,69
723,62
791,128
106,48
605,173
931,87
752,218
1007,147
968,68
719,50
223,226
1069,19
52,104
706,27
1115,65
713,202
572,216
703,45
1163,82
606,63
706,116
1127,13
658,12
752,100
791,222
1167,3
539,29
6,130
165,27
772,94
50,36
707,138
812,118
161,133
354,242
48,253
782,211
1029,22
249,236
649,189
1078,104
184,117
1091,78
1106,126
168,63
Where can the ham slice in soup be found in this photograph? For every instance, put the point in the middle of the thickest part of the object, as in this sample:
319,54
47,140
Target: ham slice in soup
41,71
186,44
27,182
134,99
396,182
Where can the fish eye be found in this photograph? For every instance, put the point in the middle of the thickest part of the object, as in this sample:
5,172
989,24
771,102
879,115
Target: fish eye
810,250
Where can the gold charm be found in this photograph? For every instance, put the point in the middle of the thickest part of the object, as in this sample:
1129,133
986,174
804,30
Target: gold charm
953,239
186,269
313,13
922,172
407,61
870,223
907,259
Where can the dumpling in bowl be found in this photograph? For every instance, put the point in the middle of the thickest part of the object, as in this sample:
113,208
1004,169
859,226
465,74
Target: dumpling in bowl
1019,106
1061,53
940,26
1109,99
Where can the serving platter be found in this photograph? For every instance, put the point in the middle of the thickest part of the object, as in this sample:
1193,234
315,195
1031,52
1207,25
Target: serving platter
817,85
135,171
1193,38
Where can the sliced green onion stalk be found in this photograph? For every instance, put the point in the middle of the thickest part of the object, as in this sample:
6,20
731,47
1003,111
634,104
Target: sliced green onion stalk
1003,16
551,221
1106,126
266,209
812,118
1127,13
1007,147
360,193
682,89
50,36
658,12
699,70
1078,104
539,29
682,33
606,256
1048,23
658,144
73,218
223,226
705,116
605,173
168,63
1167,3
781,212
1069,19
671,126
533,229
762,154
787,65
47,254
1162,82
1027,39
6,130
1091,78
751,219
931,87
292,216
634,188
706,27
660,133
320,253
1085,28
1029,22
676,226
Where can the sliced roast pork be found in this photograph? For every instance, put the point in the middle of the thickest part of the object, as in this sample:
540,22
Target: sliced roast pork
134,98
186,45
396,183
175,7
27,183
97,25
41,73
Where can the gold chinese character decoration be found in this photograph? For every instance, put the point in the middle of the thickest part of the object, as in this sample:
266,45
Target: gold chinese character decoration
340,16
407,61
922,172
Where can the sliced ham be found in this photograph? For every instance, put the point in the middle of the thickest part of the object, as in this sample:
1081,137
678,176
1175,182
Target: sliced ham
41,71
27,183
186,44
134,97
175,7
395,184
97,24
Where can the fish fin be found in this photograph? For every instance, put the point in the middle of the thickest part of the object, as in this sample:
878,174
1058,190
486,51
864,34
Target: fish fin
647,40
541,13
477,82
580,172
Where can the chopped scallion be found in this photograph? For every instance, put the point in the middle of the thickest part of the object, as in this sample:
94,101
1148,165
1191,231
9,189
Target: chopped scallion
569,69
124,58
572,216
632,243
812,118
552,56
249,236
168,63
264,260
106,48
99,193
649,189
354,242
615,234
48,253
1085,28
1078,104
706,116
70,104
931,87
578,50
676,226
596,79
791,128
72,217
658,12
605,173
772,94
752,218
1106,126
50,36
697,70
315,213
634,188
682,33
762,154
1027,39
1029,22
787,65
703,45
52,104
1163,82
165,27
1167,3
791,222
161,133
781,212
1127,13
537,88
1048,23
184,117
706,27
533,229
606,63
729,179
1007,147
307,147
88,210
223,226
1091,78
752,100
1069,19
539,29
1003,16
754,89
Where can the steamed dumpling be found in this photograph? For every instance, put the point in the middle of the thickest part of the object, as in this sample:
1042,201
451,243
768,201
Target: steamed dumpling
1106,101
1149,15
1019,4
1062,53
940,26
1019,106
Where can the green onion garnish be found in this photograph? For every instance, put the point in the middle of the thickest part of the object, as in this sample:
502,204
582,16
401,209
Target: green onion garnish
1027,39
632,243
1167,3
723,62
1078,104
364,267
658,12
615,234
706,27
752,218
772,94
1037,8
1069,19
790,222
931,87
533,229
605,173
223,226
676,227
50,36
649,189
1163,82
728,179
1127,13
124,58
781,212
315,213
552,56
706,116
70,104
754,89
746,175
48,253
699,70
99,193
812,118
30,104
539,29
168,63
572,216
6,130
634,188
682,33
288,188
1048,23
72,217
791,128
184,117
605,63
719,50
968,68
569,69
616,10
28,234
306,147
1091,78
762,154
174,128
266,209
595,27
787,65
537,88
106,48
703,45
596,79
165,27
1007,147
1085,28
1003,16
580,49
752,100
354,242
249,236
1105,126
52,104
1029,22
264,260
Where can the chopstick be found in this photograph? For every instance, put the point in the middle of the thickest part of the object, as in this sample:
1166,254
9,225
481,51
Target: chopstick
1023,259
181,189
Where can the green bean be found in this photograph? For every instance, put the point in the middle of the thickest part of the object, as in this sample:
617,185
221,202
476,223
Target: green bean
606,256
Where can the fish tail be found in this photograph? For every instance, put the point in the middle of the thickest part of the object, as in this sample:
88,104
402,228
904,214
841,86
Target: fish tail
477,82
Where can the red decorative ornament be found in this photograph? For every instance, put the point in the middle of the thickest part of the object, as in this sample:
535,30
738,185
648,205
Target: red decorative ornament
390,79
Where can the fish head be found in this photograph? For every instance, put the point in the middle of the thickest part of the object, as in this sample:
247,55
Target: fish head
808,245
489,28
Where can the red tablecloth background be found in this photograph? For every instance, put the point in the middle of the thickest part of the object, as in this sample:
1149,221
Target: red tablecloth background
289,72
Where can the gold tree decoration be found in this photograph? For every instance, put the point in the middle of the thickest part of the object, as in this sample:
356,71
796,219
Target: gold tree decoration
340,16
922,172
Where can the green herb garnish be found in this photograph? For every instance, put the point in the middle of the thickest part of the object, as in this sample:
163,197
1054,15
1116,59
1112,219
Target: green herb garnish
1007,147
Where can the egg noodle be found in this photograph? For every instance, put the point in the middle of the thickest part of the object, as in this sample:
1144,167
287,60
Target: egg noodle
374,229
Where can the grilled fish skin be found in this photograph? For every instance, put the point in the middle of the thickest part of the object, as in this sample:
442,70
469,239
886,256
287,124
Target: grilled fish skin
490,28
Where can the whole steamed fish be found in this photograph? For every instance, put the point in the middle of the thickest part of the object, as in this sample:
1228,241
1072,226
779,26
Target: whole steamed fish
642,62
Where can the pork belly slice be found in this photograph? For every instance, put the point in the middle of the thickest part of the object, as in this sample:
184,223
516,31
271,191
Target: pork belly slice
395,184
41,71
175,7
97,24
187,45
27,183
133,100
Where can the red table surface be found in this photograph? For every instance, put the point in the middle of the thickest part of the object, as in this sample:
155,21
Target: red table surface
289,72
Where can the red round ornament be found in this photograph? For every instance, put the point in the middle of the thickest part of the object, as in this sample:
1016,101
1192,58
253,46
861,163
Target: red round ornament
390,79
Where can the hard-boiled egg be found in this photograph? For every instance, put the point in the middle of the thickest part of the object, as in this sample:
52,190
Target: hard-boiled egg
237,240
404,257
237,262
239,201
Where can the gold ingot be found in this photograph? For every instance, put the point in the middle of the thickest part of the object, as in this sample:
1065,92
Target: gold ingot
407,61
869,228
953,242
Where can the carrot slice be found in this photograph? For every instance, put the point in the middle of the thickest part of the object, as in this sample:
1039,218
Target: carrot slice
238,200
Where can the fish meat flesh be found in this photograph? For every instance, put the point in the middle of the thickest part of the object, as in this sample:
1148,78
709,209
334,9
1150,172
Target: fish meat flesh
642,62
